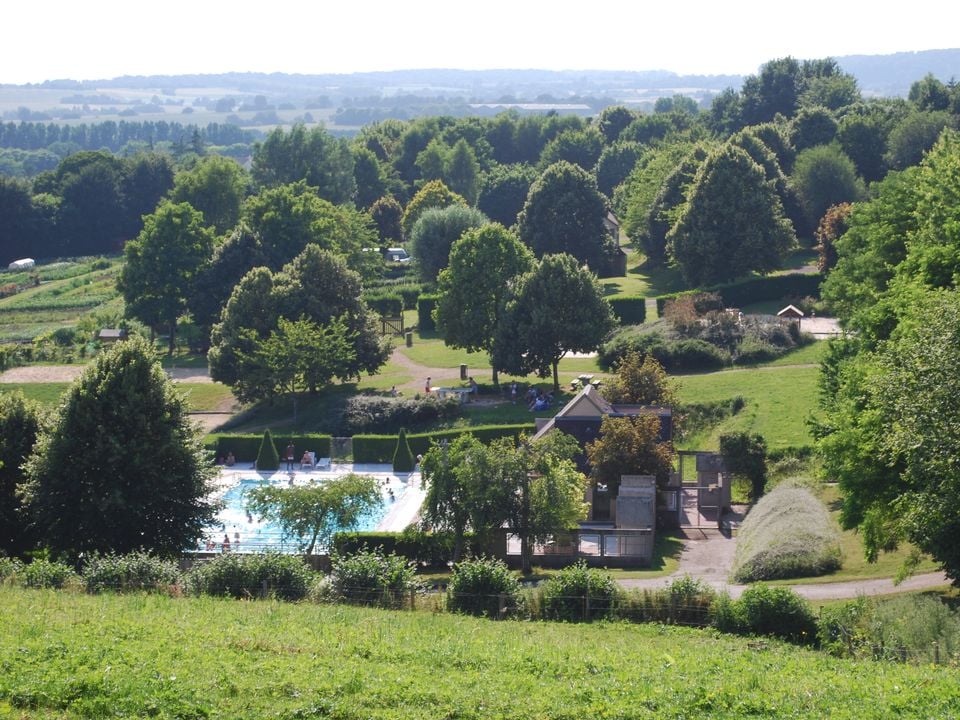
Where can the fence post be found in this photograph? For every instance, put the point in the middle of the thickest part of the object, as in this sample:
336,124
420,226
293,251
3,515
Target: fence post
501,605
263,591
413,598
586,606
936,653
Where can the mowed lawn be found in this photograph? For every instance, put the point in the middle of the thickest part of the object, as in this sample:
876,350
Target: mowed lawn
778,402
200,396
71,655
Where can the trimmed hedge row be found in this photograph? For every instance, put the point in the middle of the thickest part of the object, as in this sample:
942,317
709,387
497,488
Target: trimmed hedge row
425,305
386,304
630,309
380,448
758,289
246,446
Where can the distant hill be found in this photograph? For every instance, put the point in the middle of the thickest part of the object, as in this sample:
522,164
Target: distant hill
888,75
892,75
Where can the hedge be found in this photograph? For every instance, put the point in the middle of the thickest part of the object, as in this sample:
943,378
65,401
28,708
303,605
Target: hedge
386,304
245,446
757,289
631,309
425,548
425,305
380,448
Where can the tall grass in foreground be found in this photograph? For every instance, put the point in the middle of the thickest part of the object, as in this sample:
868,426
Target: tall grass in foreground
79,655
788,533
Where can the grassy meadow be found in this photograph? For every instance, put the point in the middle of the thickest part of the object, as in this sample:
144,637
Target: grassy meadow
70,655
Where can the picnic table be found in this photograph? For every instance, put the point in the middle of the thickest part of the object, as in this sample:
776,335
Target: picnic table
463,393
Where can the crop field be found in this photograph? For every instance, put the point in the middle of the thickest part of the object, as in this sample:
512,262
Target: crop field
71,655
67,292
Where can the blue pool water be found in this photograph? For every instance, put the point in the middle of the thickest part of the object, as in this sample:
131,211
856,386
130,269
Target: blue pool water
255,536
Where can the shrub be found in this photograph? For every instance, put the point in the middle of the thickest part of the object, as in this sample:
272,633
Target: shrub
134,571
423,548
629,309
385,304
9,568
777,611
789,533
425,305
246,446
686,601
691,418
578,593
482,586
905,627
758,289
366,413
261,575
380,448
689,355
46,574
751,350
370,577
403,461
267,456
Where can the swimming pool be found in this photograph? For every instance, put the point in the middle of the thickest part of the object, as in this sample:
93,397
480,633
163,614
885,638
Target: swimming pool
246,533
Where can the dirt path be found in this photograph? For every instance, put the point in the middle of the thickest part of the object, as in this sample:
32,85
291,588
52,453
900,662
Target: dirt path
68,373
708,556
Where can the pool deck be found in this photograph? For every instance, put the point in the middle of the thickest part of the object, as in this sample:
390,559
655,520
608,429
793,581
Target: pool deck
400,515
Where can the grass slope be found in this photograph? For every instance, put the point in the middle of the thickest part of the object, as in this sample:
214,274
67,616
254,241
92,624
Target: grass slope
67,655
779,399
200,396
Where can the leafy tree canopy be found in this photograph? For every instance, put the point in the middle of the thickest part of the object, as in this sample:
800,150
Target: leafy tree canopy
140,481
434,234
313,156
556,308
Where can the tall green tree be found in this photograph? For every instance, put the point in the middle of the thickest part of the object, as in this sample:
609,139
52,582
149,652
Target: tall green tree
370,178
289,217
564,213
434,234
387,213
21,422
313,156
432,195
891,436
312,514
503,192
462,171
578,147
162,264
628,446
822,177
298,355
216,186
732,222
640,380
556,308
316,286
122,467
450,498
484,263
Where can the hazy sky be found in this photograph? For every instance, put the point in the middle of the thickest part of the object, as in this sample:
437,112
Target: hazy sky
94,39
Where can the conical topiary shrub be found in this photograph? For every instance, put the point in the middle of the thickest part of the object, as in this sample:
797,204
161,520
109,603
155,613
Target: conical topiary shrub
267,457
402,457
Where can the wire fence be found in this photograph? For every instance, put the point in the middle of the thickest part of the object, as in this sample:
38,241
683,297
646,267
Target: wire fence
883,641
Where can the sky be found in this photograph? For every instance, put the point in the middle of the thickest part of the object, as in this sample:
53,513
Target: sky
96,39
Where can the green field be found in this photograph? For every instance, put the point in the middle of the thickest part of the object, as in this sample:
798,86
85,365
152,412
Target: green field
779,400
69,655
200,396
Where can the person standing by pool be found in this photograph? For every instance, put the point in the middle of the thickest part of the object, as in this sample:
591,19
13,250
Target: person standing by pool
291,454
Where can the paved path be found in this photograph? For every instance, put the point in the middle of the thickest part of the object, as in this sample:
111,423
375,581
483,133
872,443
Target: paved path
708,556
